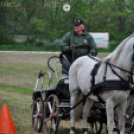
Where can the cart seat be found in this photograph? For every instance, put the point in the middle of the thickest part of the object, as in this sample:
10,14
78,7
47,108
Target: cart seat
65,65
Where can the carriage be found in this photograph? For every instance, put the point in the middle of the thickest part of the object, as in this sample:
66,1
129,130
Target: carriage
52,104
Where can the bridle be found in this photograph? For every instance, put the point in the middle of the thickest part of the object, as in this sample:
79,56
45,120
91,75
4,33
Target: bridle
129,82
130,76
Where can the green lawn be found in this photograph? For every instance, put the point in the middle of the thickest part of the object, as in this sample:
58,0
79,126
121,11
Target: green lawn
21,46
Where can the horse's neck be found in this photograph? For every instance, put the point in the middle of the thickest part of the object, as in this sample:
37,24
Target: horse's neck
122,58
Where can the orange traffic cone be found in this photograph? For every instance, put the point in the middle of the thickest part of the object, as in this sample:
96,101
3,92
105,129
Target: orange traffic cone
6,122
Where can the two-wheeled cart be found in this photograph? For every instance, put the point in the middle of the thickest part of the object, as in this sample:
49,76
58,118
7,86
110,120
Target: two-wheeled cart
49,104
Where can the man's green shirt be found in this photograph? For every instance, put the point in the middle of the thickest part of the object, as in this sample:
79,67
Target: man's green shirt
84,44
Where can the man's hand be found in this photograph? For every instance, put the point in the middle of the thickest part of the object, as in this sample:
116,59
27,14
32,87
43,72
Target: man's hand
72,47
90,55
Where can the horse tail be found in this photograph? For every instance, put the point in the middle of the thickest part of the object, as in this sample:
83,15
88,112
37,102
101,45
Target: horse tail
79,107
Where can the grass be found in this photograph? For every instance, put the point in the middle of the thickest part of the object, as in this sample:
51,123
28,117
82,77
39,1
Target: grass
12,88
32,47
15,47
18,75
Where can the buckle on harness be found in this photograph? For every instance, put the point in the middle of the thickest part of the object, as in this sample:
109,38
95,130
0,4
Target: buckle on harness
131,86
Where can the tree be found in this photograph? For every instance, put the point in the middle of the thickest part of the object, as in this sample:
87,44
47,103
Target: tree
31,7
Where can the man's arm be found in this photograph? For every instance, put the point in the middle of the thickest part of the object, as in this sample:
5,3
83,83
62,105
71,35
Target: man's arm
92,46
65,42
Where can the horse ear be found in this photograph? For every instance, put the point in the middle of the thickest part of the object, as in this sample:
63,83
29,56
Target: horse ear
133,53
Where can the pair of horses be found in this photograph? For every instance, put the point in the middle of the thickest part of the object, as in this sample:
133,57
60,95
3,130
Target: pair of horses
116,66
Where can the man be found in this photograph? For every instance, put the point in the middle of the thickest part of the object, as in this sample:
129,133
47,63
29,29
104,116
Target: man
78,42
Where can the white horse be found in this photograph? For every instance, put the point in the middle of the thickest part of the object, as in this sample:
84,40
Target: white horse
80,82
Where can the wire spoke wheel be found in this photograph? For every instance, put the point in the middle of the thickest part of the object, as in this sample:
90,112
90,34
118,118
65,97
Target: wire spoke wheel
51,112
129,126
37,114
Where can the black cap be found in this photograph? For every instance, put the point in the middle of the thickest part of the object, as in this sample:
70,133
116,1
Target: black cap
78,22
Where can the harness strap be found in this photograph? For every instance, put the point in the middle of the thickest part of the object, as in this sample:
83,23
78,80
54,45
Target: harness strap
111,67
117,74
94,72
104,77
132,73
118,67
85,96
100,99
133,54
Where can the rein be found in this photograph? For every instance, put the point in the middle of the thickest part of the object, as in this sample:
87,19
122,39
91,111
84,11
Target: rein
111,67
85,96
118,67
131,72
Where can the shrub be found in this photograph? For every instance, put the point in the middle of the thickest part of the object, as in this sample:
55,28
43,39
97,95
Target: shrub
52,48
5,37
39,43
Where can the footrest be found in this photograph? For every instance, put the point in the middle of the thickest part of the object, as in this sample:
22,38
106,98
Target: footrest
64,106
64,117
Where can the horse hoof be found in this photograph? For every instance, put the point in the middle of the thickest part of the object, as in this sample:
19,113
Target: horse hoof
84,131
116,131
72,132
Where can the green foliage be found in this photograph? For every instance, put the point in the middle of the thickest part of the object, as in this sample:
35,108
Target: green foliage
5,37
39,43
38,24
46,20
113,44
52,48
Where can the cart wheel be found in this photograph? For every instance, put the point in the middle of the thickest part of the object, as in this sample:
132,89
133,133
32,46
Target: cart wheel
51,111
129,127
96,126
37,114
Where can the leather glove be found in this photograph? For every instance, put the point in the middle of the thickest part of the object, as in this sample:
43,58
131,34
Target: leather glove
72,47
90,55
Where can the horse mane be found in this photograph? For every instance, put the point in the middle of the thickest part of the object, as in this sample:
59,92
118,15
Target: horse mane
118,50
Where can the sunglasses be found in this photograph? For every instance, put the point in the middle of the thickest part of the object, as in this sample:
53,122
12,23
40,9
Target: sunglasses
76,25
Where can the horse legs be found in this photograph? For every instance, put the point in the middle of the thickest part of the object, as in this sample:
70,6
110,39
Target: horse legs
129,100
87,106
73,100
121,116
110,115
